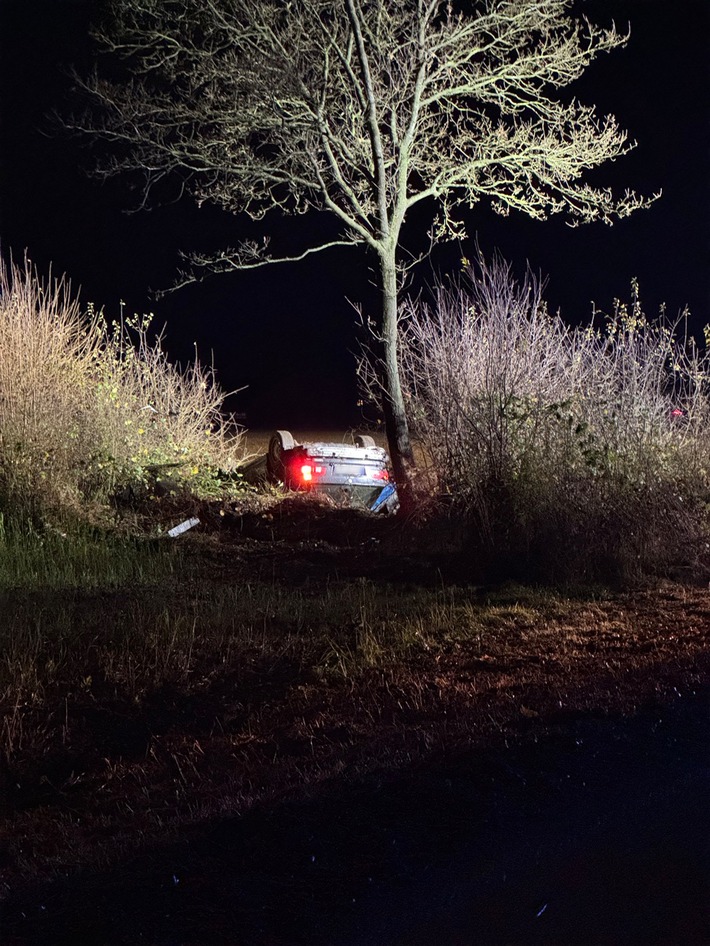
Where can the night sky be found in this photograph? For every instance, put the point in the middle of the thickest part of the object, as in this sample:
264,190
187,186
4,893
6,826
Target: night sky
288,331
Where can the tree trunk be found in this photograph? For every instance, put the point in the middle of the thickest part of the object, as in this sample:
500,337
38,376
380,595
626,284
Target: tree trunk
396,426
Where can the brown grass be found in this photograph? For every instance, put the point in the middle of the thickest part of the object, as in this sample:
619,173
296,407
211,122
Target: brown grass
267,667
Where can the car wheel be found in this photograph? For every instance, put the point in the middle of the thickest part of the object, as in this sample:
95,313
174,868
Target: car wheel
281,441
364,440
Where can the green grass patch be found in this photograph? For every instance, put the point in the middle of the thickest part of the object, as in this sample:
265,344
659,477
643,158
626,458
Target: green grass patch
84,560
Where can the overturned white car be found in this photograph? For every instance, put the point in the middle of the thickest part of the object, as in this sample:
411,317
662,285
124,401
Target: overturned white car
357,474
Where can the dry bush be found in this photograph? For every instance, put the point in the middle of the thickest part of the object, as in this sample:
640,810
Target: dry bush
156,420
559,445
48,354
86,408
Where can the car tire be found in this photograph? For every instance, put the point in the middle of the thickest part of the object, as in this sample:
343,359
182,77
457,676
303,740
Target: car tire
281,441
365,441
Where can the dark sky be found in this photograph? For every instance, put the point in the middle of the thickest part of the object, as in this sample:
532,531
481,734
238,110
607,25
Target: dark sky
288,331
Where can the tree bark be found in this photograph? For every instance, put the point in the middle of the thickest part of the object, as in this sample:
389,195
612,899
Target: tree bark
396,426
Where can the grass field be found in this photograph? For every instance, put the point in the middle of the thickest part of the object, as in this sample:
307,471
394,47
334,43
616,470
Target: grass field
273,656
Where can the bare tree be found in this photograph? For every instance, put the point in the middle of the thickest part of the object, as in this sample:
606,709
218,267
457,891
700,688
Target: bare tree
362,108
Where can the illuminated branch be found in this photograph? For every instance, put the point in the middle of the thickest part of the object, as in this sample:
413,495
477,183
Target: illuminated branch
362,108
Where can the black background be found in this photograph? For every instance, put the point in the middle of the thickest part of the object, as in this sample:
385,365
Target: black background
288,332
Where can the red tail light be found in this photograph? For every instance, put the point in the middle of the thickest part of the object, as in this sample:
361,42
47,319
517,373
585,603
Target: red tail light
309,470
381,475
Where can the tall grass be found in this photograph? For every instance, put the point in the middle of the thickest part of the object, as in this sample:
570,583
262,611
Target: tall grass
559,445
192,637
88,408
53,561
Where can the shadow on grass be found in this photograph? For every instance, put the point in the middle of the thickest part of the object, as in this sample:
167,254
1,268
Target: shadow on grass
585,830
106,726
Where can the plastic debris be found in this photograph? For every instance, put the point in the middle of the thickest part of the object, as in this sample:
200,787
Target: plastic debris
183,527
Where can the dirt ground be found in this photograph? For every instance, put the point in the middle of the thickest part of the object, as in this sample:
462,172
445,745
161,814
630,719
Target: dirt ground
543,783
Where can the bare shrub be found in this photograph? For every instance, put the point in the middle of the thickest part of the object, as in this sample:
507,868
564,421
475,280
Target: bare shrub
48,353
155,418
85,407
559,445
